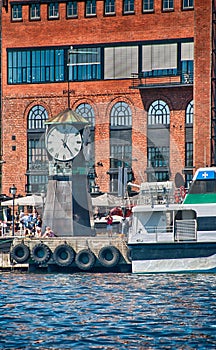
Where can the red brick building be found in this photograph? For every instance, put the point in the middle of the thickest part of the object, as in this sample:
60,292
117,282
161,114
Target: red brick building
138,70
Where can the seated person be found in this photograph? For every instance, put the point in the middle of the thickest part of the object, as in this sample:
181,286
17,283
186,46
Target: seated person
48,232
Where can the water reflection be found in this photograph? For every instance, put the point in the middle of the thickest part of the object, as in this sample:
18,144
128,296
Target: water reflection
107,311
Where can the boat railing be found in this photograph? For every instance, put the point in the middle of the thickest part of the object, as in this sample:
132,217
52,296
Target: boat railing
185,230
155,198
153,234
159,229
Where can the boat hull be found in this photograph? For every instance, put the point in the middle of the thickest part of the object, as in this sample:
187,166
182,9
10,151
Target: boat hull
173,257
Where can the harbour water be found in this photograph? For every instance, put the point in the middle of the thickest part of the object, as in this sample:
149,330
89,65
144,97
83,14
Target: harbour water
107,311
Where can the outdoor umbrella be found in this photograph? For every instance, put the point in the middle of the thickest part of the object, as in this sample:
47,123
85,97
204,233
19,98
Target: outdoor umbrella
32,200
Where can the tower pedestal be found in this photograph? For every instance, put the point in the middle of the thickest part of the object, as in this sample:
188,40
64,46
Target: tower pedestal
68,208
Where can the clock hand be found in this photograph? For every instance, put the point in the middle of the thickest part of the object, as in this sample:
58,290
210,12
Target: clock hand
66,146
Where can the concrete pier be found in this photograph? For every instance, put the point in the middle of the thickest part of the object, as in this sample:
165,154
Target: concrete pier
69,254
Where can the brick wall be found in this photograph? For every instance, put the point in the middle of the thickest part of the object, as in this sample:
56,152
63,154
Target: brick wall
17,99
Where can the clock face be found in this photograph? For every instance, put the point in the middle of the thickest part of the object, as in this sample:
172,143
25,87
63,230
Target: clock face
63,142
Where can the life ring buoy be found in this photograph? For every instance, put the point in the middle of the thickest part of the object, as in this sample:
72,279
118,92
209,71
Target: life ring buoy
20,253
40,253
64,255
109,256
85,259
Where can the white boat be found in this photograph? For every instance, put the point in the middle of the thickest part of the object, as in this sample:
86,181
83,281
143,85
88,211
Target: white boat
175,237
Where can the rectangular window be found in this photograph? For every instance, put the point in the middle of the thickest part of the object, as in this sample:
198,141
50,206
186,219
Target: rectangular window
159,60
158,176
34,11
148,5
128,6
53,10
16,13
120,62
35,66
188,4
168,5
91,8
187,51
36,183
120,160
84,64
120,155
109,7
158,157
37,156
189,154
72,10
187,62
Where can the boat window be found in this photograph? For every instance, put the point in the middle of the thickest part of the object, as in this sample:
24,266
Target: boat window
203,186
185,215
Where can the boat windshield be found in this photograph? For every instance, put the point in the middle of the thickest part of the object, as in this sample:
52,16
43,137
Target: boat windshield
203,186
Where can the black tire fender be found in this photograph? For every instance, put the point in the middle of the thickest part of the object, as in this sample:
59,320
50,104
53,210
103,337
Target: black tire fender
109,256
40,253
63,255
20,253
85,259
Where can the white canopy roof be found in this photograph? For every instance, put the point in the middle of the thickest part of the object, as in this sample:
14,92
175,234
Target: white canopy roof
107,200
32,200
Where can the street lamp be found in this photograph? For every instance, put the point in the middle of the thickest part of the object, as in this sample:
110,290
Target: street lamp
13,191
43,195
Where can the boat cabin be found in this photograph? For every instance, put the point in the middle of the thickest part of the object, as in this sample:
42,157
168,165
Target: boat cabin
163,223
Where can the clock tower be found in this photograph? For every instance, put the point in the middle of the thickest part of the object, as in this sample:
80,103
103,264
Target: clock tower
68,209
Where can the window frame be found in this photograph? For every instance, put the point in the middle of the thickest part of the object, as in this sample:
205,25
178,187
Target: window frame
189,154
87,111
37,159
128,7
155,62
161,155
53,11
189,113
85,62
90,8
153,116
149,4
158,176
167,5
16,9
110,5
120,140
188,6
74,9
35,66
34,8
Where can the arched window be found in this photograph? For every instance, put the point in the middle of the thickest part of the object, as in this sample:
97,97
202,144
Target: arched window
158,113
189,113
120,147
86,111
189,142
37,171
121,115
36,118
158,141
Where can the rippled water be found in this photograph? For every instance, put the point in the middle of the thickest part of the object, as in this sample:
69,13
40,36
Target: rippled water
107,311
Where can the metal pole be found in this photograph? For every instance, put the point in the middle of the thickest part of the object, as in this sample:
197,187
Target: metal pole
13,190
13,216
